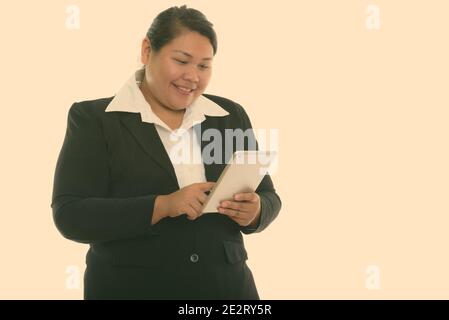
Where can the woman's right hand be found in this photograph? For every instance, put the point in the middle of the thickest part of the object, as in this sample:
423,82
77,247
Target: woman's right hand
188,200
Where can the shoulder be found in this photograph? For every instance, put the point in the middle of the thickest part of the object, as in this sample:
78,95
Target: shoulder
90,108
88,115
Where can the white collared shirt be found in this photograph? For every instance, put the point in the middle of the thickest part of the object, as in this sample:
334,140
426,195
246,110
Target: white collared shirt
187,165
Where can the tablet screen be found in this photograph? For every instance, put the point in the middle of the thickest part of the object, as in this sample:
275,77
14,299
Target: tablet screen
243,173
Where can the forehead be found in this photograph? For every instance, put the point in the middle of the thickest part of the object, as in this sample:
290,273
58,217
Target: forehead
190,43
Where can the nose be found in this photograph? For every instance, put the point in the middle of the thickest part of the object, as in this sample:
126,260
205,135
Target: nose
192,75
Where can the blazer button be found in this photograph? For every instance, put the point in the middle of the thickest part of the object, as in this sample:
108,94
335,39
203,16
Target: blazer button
194,258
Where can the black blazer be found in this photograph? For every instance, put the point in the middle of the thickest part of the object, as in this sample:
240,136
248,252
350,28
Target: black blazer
110,169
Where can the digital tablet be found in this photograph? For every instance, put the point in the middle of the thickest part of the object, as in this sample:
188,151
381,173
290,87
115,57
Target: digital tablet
243,173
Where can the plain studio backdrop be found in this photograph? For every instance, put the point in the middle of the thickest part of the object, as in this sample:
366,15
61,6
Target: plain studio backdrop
356,89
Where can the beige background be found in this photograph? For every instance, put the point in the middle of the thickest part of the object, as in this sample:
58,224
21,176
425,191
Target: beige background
362,117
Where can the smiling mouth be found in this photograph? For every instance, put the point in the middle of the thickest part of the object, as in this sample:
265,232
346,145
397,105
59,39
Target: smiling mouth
183,89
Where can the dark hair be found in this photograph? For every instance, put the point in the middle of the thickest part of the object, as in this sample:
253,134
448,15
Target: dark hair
173,21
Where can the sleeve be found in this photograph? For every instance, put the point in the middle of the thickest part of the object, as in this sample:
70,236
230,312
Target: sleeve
270,202
82,211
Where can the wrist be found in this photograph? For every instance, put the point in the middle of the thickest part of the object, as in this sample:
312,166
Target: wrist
160,209
256,220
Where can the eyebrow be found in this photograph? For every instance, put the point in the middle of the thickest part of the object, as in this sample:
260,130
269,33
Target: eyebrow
189,55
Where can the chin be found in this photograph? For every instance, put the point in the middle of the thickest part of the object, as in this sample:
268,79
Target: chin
181,106
178,107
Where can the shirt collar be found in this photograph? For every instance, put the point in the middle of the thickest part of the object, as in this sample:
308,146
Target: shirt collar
130,99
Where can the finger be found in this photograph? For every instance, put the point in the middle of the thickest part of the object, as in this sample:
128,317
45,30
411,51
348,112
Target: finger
206,186
231,212
246,196
238,219
240,206
191,213
202,197
197,206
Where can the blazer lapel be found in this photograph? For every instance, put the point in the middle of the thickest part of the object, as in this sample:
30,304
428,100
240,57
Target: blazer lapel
148,138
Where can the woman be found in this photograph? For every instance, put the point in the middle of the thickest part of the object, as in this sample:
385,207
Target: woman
118,187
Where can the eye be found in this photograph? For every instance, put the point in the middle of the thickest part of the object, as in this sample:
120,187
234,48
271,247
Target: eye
203,66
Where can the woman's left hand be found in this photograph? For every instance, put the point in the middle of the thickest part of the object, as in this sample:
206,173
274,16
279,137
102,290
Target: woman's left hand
243,209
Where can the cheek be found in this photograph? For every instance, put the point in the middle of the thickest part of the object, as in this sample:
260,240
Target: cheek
204,80
170,72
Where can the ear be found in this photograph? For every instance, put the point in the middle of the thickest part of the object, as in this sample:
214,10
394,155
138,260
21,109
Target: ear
145,51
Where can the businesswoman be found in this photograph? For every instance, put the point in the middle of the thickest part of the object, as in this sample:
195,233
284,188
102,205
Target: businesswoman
118,188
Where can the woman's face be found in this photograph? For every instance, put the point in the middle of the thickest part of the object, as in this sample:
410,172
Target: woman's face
185,62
